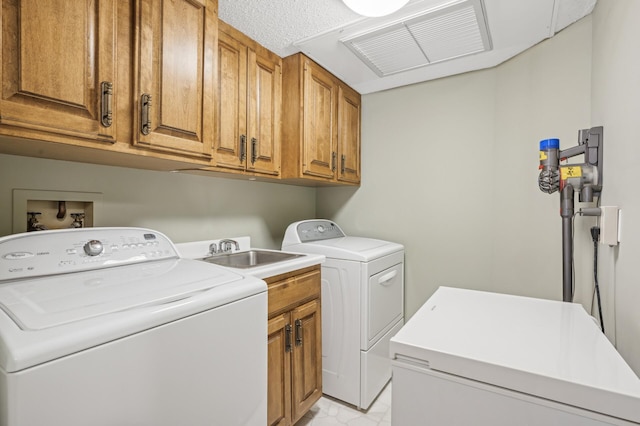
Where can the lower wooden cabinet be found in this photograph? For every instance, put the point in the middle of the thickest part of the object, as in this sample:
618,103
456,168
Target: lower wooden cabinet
294,345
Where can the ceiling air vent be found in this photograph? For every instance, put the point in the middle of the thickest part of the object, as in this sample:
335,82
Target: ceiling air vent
438,35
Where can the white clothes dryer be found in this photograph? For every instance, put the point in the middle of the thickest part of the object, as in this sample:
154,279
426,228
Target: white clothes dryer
108,326
362,306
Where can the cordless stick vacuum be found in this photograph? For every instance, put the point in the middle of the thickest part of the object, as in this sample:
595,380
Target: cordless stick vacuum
583,178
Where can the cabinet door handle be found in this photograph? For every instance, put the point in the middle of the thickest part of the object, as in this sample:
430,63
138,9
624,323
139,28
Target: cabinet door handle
243,148
287,338
298,332
145,114
106,88
254,150
333,161
343,160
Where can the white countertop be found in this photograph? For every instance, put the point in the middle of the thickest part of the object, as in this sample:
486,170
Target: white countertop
200,249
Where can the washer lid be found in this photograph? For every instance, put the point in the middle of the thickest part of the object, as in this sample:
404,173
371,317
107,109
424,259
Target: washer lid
49,317
348,248
549,349
47,302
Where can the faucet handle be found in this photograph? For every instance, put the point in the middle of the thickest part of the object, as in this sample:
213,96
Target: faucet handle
226,245
213,248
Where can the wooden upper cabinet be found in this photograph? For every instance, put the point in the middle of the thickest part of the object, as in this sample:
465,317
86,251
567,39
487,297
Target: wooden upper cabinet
174,75
55,56
321,125
348,135
230,144
320,122
264,111
249,107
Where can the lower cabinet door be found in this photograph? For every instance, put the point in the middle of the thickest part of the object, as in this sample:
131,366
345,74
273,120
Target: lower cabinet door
279,371
294,346
307,357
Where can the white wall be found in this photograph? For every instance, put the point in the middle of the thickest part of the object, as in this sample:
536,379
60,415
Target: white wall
184,207
616,105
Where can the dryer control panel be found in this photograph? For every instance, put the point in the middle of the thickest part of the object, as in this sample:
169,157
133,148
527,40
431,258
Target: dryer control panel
315,230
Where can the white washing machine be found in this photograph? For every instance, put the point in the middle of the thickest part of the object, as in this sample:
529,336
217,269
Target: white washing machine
362,307
108,326
477,358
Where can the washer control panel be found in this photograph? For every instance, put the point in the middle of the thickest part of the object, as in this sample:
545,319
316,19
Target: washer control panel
72,250
315,230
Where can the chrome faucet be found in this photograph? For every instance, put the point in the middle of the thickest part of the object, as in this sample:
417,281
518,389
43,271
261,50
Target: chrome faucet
213,249
226,245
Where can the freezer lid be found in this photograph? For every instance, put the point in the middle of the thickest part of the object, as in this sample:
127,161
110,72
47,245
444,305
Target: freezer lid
545,348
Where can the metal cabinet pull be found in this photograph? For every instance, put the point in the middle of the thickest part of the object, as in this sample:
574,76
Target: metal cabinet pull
145,114
343,160
106,109
287,338
243,148
254,150
333,161
298,332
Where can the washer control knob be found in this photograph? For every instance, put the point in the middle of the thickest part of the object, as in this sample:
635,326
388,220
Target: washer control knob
321,228
93,248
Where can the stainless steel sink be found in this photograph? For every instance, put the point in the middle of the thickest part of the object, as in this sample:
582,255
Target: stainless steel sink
250,259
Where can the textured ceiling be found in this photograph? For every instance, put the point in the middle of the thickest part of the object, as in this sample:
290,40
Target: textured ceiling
320,29
277,24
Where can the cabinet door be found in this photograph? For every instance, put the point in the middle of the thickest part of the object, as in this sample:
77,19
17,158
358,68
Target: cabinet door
55,55
348,135
264,81
231,122
320,130
307,358
175,66
279,347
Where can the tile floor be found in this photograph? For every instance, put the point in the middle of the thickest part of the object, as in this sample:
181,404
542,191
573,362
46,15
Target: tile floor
330,412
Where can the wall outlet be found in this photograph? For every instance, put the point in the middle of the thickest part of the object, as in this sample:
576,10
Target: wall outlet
610,225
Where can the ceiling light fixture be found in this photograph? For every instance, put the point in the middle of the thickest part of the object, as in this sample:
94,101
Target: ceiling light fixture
375,8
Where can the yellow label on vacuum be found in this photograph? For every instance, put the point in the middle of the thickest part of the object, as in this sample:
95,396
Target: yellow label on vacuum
543,155
567,172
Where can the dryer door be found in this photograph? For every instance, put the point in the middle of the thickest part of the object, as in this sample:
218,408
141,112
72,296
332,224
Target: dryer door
385,302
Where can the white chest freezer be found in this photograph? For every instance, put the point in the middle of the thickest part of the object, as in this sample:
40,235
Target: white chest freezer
470,357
